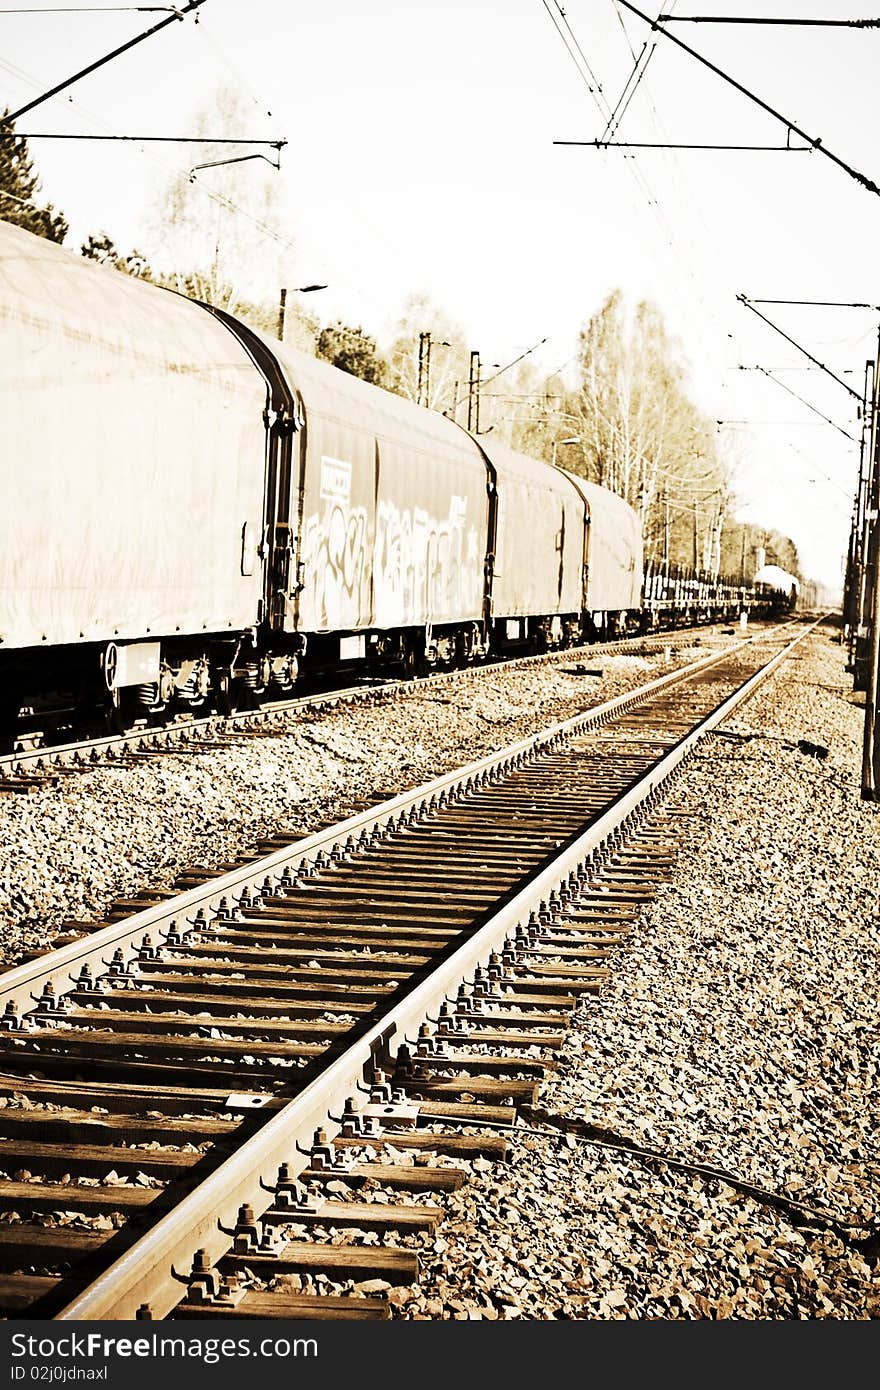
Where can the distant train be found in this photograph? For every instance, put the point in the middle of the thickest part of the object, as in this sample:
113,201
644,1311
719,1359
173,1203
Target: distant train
779,581
194,513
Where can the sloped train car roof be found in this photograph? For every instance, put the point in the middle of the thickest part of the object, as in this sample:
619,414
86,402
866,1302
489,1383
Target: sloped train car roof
345,398
526,469
47,286
107,384
602,502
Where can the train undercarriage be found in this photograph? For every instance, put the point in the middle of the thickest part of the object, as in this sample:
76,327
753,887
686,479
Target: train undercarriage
50,695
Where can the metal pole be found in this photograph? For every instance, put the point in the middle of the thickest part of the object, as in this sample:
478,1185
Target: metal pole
871,744
282,303
853,597
473,420
421,389
866,472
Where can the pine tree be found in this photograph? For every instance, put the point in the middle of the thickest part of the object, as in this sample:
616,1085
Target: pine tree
19,186
101,248
353,351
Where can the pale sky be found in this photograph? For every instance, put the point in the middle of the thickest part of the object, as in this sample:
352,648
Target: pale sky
420,158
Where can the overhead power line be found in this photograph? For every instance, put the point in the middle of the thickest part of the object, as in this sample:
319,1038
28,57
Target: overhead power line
100,62
506,368
820,303
633,82
680,145
859,177
144,139
630,87
839,428
612,118
847,492
816,363
763,19
576,53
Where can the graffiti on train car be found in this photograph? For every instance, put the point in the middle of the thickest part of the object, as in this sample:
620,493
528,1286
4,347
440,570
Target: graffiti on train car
335,546
416,568
425,569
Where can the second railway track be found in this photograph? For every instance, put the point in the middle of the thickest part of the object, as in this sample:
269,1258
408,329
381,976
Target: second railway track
30,767
185,1087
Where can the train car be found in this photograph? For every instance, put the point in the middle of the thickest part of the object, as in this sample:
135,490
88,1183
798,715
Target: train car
613,559
133,481
410,540
536,551
386,520
782,586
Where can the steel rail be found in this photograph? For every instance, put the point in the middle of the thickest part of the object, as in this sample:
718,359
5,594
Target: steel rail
148,1279
87,753
61,966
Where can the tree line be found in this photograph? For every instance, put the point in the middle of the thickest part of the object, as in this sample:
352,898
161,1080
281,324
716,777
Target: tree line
621,415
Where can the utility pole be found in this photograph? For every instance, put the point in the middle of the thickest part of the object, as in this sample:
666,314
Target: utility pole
696,557
282,303
473,420
423,390
869,625
854,588
715,555
665,531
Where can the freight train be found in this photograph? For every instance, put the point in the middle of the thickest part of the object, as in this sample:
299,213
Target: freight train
195,514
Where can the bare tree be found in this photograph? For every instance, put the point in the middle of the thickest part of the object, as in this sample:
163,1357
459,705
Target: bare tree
643,437
448,355
219,229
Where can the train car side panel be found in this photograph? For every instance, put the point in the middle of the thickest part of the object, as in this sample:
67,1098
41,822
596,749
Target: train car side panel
338,526
430,539
134,505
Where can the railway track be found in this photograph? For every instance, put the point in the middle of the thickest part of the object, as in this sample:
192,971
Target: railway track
240,1099
28,768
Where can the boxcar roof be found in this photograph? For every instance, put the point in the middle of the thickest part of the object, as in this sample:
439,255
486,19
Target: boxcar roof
348,399
66,295
526,469
602,502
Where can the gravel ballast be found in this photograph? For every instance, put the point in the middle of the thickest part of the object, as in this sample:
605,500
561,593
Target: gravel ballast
738,1030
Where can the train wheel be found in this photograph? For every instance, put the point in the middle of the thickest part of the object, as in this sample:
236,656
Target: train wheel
223,696
117,719
413,659
9,712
